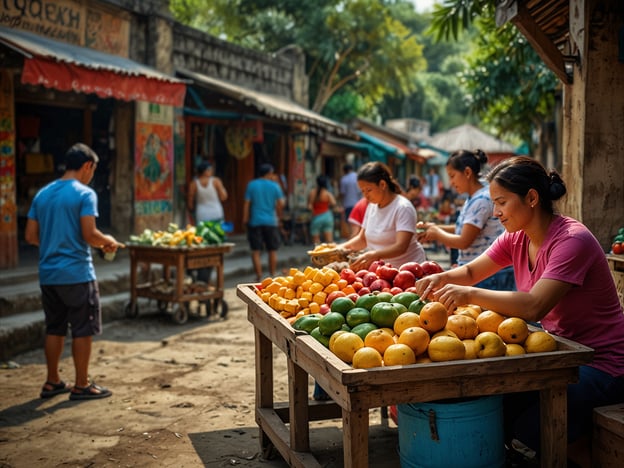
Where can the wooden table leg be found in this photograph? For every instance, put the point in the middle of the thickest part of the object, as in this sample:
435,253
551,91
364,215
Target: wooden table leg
355,438
264,380
298,408
554,427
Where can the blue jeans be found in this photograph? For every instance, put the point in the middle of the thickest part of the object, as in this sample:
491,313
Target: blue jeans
594,388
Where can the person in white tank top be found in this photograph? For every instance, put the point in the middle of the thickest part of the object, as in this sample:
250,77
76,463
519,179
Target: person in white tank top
205,195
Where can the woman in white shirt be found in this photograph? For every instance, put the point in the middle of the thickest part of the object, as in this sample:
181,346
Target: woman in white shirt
389,227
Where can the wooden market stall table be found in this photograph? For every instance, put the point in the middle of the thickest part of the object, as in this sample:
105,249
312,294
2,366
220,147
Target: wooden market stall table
181,258
355,391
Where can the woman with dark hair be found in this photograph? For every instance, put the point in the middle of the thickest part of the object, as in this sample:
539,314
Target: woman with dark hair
321,203
389,226
564,283
476,226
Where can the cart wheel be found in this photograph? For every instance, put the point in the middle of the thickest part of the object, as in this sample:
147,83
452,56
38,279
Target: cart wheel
162,306
224,308
180,314
131,310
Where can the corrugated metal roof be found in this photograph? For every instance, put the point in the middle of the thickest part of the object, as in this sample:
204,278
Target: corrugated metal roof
30,45
271,105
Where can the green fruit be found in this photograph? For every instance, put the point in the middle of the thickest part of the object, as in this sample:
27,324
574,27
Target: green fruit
318,336
330,323
384,296
405,298
357,315
307,323
364,329
367,301
345,327
618,238
342,305
621,231
385,313
416,306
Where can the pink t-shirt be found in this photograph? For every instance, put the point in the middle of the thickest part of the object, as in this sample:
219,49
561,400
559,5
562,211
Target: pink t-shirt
590,313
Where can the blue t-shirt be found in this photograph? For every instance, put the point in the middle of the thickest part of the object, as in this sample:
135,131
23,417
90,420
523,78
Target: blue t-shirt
263,195
64,255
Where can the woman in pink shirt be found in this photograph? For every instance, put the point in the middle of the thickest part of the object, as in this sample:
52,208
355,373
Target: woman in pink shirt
563,282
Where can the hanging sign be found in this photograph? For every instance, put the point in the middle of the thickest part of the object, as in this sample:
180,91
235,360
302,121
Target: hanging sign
239,139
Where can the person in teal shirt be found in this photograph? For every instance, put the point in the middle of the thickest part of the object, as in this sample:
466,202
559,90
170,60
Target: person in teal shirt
262,211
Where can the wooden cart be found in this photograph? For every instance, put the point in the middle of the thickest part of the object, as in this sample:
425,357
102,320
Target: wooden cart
177,293
355,391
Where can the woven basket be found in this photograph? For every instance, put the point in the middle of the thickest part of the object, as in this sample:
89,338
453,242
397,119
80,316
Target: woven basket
320,259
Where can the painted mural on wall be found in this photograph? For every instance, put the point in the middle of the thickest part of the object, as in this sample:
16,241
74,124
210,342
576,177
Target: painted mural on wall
8,206
154,164
73,22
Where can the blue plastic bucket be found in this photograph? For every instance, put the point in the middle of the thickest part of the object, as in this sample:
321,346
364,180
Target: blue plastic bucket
466,433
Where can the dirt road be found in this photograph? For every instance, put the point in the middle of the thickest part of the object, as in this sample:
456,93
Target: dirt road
183,396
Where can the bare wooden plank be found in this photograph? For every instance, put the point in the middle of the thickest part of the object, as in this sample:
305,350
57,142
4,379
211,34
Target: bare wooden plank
355,438
264,371
553,427
298,391
317,410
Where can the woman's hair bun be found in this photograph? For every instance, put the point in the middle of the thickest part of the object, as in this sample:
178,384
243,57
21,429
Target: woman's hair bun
557,187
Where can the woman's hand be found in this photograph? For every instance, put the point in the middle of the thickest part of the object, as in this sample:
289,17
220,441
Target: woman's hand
425,287
453,296
364,260
421,230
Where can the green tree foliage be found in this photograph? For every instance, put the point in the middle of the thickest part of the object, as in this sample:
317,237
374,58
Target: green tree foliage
354,46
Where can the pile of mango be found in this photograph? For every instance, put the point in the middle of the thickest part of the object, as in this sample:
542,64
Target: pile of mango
205,233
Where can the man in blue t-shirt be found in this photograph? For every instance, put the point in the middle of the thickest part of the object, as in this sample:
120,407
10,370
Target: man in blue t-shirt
264,201
61,222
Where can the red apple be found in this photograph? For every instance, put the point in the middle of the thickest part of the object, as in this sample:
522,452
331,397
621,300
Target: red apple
357,285
324,309
361,273
414,268
348,275
376,264
368,278
394,290
353,296
430,267
332,296
404,279
379,285
387,272
364,290
413,289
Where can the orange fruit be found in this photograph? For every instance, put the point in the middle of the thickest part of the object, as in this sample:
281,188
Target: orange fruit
367,357
464,326
540,342
406,320
416,338
445,332
433,316
513,330
423,359
379,339
488,320
346,345
489,345
399,355
514,349
446,348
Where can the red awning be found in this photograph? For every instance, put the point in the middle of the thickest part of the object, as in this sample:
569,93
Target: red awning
66,67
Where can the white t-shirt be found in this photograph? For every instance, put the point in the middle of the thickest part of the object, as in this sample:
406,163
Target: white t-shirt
381,225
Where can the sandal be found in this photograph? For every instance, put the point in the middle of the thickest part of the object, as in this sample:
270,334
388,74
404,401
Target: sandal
51,389
87,393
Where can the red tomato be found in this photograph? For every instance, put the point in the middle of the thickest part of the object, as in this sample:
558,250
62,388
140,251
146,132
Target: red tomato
618,248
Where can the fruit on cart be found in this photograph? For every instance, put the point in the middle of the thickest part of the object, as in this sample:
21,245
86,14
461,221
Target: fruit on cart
346,344
471,349
332,339
433,316
514,349
416,338
383,314
406,320
463,326
342,305
416,306
405,298
513,330
367,358
617,244
206,233
379,339
331,323
470,310
488,320
489,345
399,355
446,348
307,323
357,315
318,336
364,329
540,342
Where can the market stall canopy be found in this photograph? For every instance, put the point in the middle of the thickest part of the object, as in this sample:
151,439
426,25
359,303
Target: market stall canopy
470,138
382,149
67,67
271,105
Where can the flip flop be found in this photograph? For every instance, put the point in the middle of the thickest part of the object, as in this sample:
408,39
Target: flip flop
56,389
86,393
